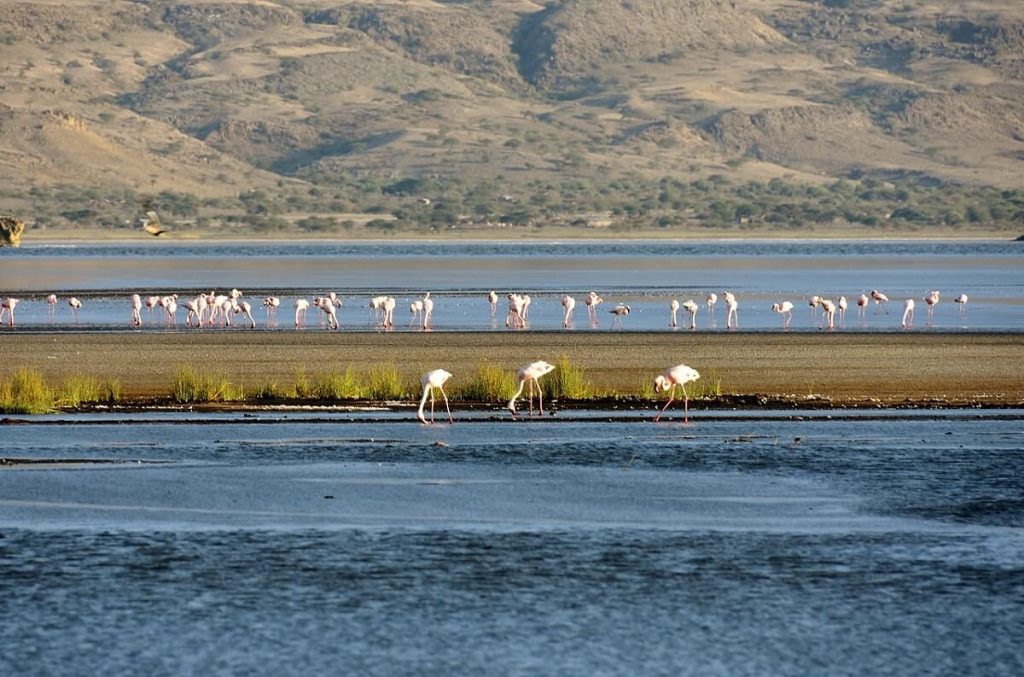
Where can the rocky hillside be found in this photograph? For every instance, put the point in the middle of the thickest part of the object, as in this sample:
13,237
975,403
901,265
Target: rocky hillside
453,111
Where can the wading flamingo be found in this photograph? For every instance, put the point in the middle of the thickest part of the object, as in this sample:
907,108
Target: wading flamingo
962,302
7,306
785,309
514,318
880,300
492,298
271,303
389,312
711,300
75,305
526,307
301,306
842,305
377,307
691,307
731,319
678,375
828,314
171,308
593,301
51,301
814,302
931,299
415,312
532,373
434,379
330,310
618,312
862,307
136,303
569,303
908,314
673,307
428,311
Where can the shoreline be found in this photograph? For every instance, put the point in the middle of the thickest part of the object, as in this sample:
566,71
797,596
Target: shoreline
857,370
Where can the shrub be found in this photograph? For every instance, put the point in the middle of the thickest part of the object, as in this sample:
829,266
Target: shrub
567,381
190,386
25,392
384,383
78,389
332,385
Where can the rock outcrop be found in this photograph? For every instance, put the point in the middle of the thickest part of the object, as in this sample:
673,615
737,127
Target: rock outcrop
10,231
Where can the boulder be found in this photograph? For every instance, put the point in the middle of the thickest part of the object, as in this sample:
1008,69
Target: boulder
10,231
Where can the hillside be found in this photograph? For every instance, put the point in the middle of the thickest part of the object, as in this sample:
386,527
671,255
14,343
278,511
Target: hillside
322,115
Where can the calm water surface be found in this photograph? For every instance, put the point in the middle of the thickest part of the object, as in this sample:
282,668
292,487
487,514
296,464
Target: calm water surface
586,543
644,275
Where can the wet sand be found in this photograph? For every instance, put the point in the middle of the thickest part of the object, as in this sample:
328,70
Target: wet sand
893,368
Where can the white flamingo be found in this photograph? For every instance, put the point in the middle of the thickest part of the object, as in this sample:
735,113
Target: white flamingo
75,305
862,307
51,302
593,301
569,303
731,319
678,375
785,309
7,306
931,299
532,373
618,312
962,302
692,308
301,306
673,307
880,300
415,312
136,303
492,298
908,314
434,379
428,311
828,313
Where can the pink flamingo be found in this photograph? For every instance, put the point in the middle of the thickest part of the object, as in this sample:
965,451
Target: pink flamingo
376,307
51,302
569,303
862,307
434,379
389,312
415,312
7,306
243,308
428,311
711,300
785,309
593,301
618,312
171,308
192,310
962,302
842,306
136,302
908,314
678,375
673,307
492,298
880,300
151,302
691,307
76,305
731,319
532,373
814,302
514,318
301,306
271,304
931,299
330,311
828,313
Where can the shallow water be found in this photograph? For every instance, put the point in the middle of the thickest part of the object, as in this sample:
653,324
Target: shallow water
644,275
587,542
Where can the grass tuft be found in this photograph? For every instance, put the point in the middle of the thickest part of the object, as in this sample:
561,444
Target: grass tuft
384,383
190,386
333,385
25,392
79,389
568,382
490,383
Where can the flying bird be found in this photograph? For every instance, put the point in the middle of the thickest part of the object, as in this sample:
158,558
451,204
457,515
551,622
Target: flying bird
151,222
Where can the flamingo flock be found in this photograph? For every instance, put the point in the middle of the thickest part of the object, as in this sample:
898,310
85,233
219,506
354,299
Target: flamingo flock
231,309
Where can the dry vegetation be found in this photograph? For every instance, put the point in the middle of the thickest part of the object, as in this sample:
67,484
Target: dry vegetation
343,117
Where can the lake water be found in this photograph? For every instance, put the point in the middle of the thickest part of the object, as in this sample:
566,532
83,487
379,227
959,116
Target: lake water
272,542
643,275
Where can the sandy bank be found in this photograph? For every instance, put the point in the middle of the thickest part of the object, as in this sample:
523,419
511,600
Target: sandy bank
987,368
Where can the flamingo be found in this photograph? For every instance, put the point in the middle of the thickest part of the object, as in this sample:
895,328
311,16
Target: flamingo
880,299
514,317
842,305
731,319
862,307
962,301
151,303
711,300
271,304
526,307
569,303
691,307
673,307
136,302
434,379
678,375
492,298
428,310
330,311
828,313
51,301
376,306
908,314
192,310
8,305
201,304
532,373
76,305
416,312
301,306
618,312
785,309
226,308
814,302
593,301
931,299
389,312
172,310
241,307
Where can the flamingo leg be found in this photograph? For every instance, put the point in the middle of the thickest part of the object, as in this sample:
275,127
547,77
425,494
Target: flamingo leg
540,398
686,405
671,398
531,397
447,408
431,403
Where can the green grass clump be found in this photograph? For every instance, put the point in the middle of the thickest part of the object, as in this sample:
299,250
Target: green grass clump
189,386
333,385
384,383
567,382
490,383
25,392
266,391
79,390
